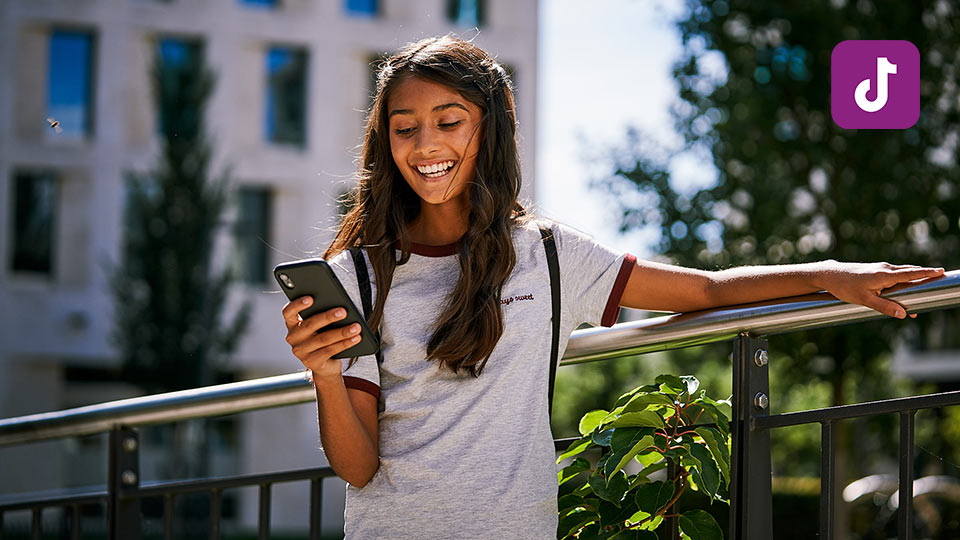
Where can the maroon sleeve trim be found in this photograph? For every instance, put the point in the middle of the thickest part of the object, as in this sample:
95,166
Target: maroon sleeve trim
612,310
362,384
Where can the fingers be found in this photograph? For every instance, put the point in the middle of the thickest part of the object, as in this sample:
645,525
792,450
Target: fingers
912,273
291,311
320,347
887,307
312,324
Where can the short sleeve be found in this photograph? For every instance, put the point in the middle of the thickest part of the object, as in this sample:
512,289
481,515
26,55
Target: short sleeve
364,374
592,276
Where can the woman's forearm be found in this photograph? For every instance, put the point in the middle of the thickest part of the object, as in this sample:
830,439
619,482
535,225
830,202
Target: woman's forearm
347,444
747,284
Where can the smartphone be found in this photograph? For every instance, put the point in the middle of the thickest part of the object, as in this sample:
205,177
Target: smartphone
315,278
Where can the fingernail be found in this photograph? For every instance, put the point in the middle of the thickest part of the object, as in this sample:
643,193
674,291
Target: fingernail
355,339
900,314
340,313
354,329
307,300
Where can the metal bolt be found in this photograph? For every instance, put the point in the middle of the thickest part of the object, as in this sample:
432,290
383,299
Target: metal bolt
760,357
761,401
128,478
130,444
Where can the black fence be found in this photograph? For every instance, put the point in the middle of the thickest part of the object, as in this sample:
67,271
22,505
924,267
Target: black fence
751,477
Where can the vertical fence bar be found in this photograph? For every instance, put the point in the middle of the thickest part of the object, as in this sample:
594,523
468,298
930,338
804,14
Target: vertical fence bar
673,525
168,516
751,498
124,479
36,523
264,521
828,481
215,504
905,509
75,519
1,525
316,507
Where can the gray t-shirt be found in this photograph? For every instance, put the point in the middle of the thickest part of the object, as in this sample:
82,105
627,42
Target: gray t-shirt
464,457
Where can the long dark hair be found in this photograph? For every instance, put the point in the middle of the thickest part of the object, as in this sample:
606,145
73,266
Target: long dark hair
383,204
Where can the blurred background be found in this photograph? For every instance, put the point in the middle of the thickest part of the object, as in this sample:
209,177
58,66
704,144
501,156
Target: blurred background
159,157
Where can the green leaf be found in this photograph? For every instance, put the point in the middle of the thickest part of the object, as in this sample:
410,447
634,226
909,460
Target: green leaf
613,490
602,438
640,402
576,447
705,472
578,466
631,534
611,514
624,398
574,521
638,419
649,457
653,496
718,447
671,384
621,458
642,476
700,525
568,503
591,420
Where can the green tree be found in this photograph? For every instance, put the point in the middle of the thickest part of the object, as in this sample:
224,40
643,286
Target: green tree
794,187
169,300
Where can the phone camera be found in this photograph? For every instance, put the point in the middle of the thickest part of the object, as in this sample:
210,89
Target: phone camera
286,281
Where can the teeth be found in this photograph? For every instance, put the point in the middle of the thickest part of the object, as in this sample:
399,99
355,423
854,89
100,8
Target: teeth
433,170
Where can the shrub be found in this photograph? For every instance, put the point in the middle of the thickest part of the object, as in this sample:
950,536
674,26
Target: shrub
672,421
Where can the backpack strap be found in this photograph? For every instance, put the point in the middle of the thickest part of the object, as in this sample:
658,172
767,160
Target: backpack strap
553,264
363,280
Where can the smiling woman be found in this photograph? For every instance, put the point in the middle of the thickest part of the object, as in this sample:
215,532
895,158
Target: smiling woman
434,139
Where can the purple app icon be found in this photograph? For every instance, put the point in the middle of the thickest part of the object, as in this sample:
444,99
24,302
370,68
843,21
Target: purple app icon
875,84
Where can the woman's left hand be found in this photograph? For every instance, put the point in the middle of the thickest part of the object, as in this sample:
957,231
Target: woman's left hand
863,283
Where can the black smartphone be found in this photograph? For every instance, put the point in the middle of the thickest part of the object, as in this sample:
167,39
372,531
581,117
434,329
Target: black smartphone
315,278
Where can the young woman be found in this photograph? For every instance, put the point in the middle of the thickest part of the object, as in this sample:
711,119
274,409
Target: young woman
449,436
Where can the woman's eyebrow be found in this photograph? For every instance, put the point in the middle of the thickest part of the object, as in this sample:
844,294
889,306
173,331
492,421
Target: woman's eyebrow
438,108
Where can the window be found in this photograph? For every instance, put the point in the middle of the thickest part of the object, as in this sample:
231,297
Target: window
34,211
176,54
70,83
367,8
468,13
286,95
252,233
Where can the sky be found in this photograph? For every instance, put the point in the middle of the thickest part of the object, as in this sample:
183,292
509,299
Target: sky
604,66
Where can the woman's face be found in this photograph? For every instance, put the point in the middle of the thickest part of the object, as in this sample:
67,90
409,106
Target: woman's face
434,138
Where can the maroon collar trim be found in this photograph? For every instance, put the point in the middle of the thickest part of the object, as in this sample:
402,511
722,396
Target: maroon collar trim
432,251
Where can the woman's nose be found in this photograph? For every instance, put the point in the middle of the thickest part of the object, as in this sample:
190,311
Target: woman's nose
427,141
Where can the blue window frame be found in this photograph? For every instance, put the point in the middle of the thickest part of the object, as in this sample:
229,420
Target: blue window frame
34,214
286,107
467,13
178,54
252,234
70,82
368,8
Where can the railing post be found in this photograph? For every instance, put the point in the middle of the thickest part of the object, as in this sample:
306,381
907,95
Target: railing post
751,499
124,479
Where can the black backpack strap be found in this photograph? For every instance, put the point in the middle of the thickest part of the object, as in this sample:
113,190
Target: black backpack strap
553,264
363,281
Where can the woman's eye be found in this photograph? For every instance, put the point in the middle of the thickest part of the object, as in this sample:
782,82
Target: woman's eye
450,124
404,131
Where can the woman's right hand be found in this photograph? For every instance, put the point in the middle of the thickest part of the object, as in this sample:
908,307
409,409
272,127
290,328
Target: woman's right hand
314,348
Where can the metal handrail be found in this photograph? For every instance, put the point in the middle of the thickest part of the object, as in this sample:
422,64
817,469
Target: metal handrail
654,334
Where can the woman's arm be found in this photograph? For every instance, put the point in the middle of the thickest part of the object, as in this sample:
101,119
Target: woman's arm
662,287
348,430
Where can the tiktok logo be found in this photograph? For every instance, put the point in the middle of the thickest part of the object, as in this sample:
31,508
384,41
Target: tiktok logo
875,84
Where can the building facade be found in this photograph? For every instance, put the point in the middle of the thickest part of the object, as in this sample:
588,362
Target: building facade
293,81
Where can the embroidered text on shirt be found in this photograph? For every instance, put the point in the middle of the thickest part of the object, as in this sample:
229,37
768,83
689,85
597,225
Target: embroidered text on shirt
510,299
